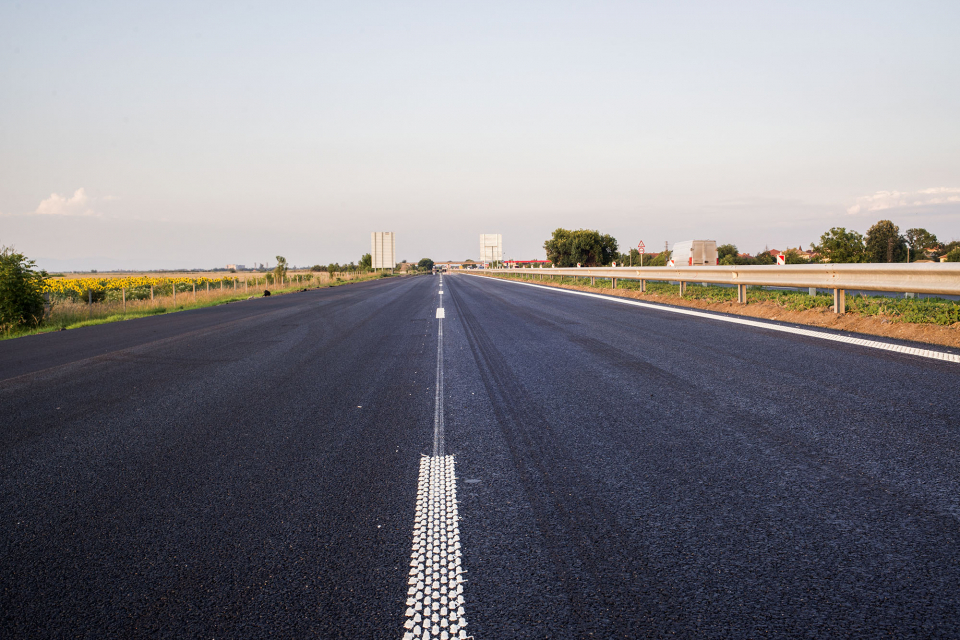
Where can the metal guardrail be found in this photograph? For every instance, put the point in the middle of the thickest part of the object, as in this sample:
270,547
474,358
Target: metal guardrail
935,278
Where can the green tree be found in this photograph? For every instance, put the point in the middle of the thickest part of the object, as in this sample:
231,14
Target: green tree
793,256
725,250
919,240
280,271
765,258
945,249
590,248
366,262
954,255
839,245
660,260
425,263
885,244
21,291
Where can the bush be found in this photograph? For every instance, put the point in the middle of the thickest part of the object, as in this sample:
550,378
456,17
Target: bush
21,291
660,260
590,248
954,255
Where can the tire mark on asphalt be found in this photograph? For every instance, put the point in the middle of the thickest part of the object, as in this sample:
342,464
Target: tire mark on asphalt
582,537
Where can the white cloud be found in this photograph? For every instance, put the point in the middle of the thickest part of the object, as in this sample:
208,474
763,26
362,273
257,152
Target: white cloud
897,199
76,205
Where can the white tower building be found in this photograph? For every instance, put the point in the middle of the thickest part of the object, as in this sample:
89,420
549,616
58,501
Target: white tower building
383,250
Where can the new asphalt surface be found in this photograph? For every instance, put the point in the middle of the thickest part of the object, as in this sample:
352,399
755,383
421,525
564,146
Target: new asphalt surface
250,470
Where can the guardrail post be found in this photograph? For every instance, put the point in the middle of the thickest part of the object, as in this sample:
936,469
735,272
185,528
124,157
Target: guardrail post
643,286
813,291
593,282
742,294
839,301
613,283
683,288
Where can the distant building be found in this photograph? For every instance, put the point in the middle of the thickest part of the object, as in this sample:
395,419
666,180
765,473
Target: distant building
491,248
236,267
383,250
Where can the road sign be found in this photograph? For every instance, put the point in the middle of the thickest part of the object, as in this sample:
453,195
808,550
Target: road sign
781,259
640,246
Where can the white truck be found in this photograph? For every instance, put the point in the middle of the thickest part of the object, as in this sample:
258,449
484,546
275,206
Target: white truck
694,253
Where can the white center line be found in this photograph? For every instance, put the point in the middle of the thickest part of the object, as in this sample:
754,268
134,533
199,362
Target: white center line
435,593
438,399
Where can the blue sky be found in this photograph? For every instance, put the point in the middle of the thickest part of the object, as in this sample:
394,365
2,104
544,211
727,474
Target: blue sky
168,135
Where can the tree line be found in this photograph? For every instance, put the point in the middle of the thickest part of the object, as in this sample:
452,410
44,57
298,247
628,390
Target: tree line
883,242
365,264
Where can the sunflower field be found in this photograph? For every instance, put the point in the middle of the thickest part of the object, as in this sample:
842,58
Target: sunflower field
131,288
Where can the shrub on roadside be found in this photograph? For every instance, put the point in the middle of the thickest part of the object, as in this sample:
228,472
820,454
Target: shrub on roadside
21,291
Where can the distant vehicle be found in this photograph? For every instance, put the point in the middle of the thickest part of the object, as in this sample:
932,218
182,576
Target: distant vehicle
695,253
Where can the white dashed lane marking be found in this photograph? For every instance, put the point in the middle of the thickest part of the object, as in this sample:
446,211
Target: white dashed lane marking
435,593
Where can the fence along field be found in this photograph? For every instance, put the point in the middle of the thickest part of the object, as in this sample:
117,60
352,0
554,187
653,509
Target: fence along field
79,301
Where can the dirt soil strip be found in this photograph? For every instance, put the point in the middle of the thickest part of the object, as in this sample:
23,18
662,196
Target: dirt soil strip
871,325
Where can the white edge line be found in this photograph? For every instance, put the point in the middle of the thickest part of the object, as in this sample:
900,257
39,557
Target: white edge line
873,344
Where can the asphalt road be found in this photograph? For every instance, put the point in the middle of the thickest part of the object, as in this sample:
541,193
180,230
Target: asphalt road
251,470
